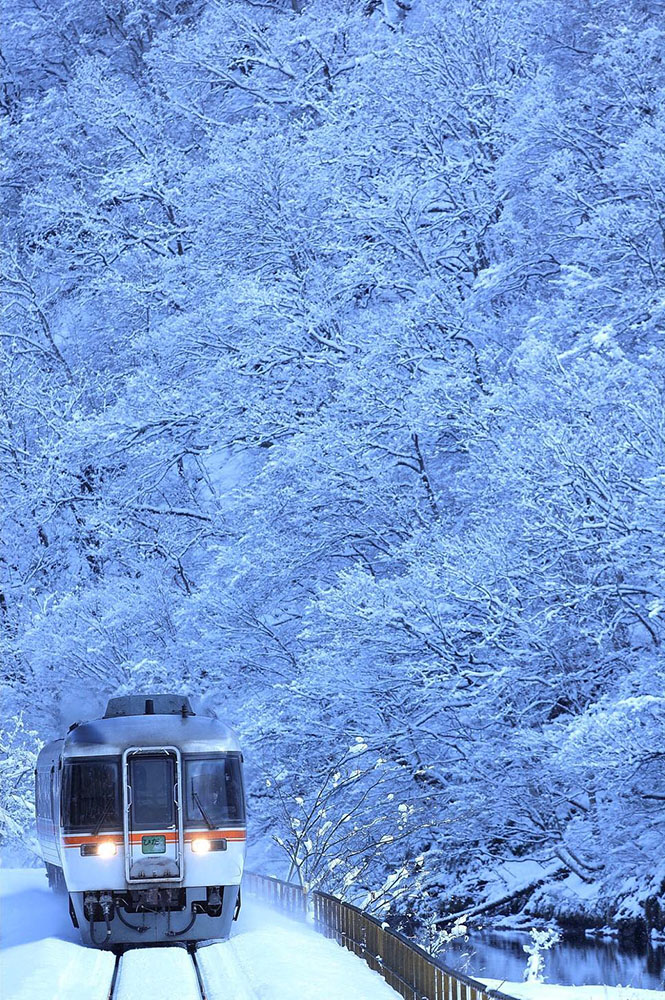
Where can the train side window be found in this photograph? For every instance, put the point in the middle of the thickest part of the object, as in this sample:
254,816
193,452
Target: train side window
42,795
54,796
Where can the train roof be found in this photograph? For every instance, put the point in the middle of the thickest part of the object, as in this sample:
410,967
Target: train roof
50,754
111,736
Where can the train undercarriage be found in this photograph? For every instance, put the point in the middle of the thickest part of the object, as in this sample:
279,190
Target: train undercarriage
154,913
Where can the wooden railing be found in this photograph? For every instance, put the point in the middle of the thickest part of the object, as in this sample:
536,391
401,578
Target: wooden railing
408,969
285,896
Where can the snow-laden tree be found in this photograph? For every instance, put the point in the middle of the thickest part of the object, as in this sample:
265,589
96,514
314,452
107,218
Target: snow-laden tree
332,394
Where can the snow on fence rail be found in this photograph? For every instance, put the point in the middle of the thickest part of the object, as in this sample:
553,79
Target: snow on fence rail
408,969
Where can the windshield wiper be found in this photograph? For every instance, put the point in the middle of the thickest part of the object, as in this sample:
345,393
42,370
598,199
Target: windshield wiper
195,796
101,821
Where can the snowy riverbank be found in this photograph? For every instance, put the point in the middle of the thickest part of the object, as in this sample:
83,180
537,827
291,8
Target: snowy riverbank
545,991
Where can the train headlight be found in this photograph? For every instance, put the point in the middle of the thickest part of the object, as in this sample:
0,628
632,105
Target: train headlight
106,849
200,845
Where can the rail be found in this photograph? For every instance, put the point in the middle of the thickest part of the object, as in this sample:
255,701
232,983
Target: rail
408,969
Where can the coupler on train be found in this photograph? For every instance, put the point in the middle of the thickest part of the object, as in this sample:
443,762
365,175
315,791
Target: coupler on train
154,914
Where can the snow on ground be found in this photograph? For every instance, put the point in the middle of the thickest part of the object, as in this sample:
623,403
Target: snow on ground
545,991
267,949
268,958
159,974
42,957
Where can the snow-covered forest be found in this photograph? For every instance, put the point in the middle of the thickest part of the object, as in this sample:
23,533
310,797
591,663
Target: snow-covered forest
332,395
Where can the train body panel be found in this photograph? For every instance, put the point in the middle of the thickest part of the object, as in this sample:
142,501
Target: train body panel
110,737
47,801
142,818
86,872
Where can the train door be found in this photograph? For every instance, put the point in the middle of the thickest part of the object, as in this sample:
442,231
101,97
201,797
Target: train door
56,820
153,828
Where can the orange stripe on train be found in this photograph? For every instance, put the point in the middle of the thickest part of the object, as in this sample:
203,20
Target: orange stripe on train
171,837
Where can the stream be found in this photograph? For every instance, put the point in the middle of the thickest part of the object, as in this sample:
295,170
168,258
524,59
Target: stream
570,962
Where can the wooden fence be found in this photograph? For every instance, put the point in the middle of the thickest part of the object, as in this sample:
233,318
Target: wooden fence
285,896
408,969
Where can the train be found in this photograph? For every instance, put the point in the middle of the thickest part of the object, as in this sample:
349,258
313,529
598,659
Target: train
141,821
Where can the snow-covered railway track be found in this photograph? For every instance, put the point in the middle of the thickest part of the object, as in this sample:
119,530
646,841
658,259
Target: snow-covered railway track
268,957
114,978
199,977
226,974
157,974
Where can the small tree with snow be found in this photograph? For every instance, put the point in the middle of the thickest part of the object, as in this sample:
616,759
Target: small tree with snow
541,942
335,833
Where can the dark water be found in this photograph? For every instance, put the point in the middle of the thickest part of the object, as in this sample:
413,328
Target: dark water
583,962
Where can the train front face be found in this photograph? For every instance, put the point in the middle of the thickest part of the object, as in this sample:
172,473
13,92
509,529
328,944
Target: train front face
153,833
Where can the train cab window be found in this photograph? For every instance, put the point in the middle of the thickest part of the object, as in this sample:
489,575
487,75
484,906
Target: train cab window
91,795
153,798
213,791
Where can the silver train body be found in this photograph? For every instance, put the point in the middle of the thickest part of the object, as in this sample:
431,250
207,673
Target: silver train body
141,819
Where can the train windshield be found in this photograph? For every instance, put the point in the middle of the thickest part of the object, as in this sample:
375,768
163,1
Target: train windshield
91,795
152,780
213,791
